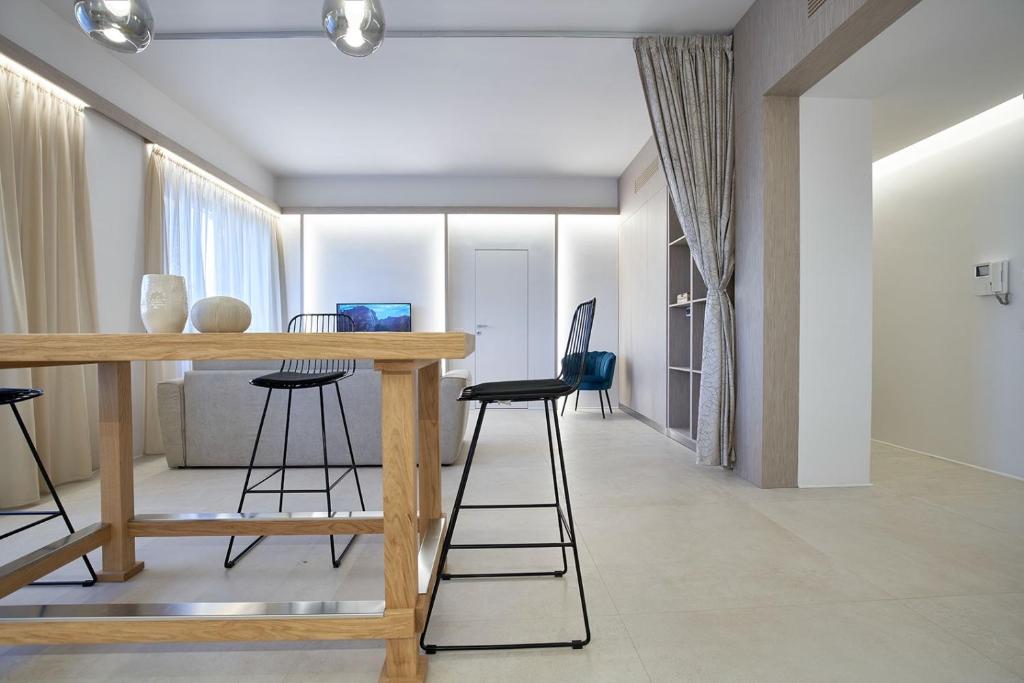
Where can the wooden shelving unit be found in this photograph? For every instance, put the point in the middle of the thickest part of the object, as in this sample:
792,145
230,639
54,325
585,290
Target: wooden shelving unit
685,335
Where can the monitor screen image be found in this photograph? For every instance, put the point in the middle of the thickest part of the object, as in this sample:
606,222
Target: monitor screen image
379,317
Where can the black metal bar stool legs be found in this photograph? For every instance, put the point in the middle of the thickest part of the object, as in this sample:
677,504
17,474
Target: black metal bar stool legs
566,534
336,559
44,515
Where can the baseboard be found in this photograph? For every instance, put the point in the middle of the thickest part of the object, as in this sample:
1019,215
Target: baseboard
956,462
834,486
643,418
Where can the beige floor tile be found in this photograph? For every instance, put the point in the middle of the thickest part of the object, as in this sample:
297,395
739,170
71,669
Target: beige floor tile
695,537
1003,511
870,641
794,574
715,579
906,546
991,624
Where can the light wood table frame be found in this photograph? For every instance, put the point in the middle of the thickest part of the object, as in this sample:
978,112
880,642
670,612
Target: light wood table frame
411,521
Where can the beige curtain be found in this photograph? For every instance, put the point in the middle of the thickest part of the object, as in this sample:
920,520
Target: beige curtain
46,281
688,84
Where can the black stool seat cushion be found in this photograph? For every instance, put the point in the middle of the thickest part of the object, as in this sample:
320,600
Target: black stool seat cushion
517,390
297,380
8,396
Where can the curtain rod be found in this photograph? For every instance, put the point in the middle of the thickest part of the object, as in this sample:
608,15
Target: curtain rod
271,35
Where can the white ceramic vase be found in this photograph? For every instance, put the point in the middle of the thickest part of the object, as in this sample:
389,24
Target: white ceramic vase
164,303
221,314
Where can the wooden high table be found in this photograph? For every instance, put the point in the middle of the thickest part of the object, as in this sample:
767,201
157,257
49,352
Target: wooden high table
409,364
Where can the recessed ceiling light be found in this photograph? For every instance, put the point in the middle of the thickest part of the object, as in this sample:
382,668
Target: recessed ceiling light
986,121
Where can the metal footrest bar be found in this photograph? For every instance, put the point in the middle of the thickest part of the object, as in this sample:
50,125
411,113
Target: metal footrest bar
506,546
434,649
203,622
520,506
48,516
500,575
194,610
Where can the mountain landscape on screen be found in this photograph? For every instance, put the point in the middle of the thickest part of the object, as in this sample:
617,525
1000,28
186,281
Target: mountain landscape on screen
379,317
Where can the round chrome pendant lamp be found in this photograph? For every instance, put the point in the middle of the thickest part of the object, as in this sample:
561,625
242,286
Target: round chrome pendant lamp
355,27
121,25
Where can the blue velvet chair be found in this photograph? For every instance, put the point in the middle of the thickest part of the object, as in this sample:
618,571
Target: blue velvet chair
598,373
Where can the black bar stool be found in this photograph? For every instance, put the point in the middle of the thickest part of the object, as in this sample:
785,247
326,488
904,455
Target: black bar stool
11,397
548,391
304,374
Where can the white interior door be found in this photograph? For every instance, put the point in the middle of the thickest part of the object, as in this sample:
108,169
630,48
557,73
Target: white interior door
502,306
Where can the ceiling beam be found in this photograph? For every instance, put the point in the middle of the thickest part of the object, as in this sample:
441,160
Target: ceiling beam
512,33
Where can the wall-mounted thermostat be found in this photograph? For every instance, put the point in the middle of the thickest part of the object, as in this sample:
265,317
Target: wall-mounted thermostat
991,278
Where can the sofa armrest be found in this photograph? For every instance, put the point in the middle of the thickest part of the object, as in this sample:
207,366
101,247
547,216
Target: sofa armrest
170,397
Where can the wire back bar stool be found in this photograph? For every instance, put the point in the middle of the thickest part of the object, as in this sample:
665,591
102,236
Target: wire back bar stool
548,391
295,375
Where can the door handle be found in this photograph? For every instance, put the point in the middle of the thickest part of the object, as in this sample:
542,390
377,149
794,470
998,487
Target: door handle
480,325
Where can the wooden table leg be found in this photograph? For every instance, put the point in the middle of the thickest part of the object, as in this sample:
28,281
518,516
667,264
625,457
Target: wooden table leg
403,662
117,484
429,388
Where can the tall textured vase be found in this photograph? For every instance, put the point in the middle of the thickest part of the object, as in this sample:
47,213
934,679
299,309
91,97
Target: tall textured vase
164,304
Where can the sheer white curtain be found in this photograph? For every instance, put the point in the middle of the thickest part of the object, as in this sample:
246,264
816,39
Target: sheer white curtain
47,283
222,243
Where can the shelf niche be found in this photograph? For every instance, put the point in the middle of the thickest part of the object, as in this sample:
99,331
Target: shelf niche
685,335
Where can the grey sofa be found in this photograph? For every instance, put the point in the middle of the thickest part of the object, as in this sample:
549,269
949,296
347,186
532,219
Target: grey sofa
210,416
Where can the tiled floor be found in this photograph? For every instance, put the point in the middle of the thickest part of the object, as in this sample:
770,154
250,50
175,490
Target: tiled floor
691,573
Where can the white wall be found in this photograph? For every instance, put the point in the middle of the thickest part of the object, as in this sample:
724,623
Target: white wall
291,257
949,365
536,233
588,267
376,258
448,191
57,41
835,292
115,161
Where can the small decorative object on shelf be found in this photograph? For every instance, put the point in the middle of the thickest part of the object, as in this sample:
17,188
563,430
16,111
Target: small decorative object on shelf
683,298
221,314
164,304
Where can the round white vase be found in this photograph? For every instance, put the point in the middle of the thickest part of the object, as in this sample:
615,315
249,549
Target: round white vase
164,304
221,314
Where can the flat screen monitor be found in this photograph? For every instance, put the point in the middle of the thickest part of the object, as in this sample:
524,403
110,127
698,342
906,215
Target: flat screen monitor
379,317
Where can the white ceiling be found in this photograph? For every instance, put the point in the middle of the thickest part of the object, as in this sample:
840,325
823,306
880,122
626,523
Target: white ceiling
941,63
515,107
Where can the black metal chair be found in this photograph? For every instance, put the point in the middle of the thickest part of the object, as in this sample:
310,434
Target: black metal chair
11,397
295,375
548,391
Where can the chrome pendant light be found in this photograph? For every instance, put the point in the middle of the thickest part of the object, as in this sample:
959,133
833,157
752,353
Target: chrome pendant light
356,27
121,25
